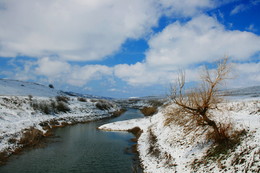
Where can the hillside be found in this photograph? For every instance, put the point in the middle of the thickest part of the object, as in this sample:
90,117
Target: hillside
21,88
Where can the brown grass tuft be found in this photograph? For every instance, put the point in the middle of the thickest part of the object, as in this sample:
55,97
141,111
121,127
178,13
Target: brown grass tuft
31,137
148,111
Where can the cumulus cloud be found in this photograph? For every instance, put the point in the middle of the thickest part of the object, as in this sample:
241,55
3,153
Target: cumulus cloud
201,39
57,70
52,68
246,74
186,7
72,29
185,45
82,75
80,30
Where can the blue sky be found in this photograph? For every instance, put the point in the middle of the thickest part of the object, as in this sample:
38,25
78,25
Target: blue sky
120,48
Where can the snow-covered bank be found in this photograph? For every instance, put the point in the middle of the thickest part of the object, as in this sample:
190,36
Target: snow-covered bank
125,125
169,148
19,113
25,105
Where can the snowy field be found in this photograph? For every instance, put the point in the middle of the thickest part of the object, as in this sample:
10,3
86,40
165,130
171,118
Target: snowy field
170,148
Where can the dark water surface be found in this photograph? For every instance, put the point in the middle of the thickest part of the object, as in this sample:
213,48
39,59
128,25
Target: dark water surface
80,148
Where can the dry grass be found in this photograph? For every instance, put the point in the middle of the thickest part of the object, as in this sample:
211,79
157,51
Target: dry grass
153,149
62,107
50,107
62,99
118,113
3,157
31,137
103,105
148,111
221,151
82,99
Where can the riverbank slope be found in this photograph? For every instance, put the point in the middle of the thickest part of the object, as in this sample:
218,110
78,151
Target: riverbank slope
28,111
170,147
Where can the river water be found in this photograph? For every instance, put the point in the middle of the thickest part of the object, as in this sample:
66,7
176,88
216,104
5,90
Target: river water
80,148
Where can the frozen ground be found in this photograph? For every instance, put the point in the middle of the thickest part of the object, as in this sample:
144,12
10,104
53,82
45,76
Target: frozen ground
171,148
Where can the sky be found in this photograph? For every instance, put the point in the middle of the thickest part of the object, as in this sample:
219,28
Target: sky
122,48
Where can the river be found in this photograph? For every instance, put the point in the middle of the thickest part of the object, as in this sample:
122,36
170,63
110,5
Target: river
80,148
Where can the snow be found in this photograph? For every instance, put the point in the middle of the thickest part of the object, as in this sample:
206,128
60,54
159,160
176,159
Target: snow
20,88
125,125
169,148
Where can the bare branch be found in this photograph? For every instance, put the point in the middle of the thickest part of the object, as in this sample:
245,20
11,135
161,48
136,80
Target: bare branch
198,101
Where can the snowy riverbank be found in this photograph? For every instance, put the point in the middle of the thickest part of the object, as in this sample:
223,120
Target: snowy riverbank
18,113
25,106
169,148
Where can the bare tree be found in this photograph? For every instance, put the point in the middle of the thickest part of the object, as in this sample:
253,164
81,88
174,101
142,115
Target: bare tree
198,101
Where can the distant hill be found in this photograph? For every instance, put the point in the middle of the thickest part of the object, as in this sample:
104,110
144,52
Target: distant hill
85,95
253,91
10,87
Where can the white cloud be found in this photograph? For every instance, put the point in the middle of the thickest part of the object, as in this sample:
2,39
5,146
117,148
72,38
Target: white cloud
63,72
138,74
82,30
239,8
201,39
245,74
186,7
52,68
184,46
79,76
72,29
243,7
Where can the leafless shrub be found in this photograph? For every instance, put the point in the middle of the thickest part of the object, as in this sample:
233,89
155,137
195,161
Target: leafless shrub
62,98
103,105
51,86
31,137
156,102
42,106
118,112
148,111
50,107
82,99
62,107
196,103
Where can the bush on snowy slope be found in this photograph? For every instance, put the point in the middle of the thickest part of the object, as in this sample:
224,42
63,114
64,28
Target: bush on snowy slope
196,103
179,147
50,106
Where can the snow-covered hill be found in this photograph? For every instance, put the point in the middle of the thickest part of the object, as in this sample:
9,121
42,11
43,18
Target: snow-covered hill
21,88
253,91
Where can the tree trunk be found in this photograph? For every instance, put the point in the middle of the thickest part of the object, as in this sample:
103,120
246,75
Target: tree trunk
211,123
